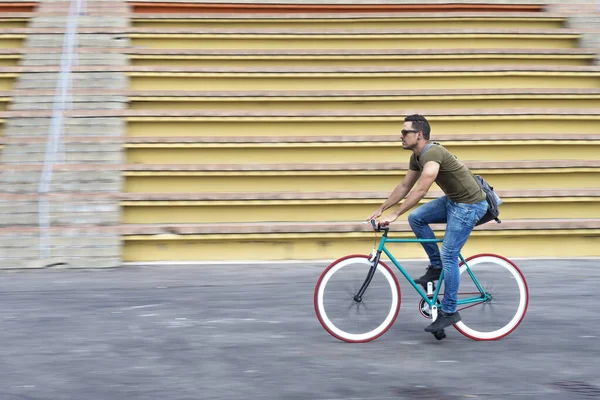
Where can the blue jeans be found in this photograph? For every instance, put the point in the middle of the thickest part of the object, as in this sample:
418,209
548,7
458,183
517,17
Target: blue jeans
460,219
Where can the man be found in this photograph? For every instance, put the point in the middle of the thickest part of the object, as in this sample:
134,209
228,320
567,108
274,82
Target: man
461,208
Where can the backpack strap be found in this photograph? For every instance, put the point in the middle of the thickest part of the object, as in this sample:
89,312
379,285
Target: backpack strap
427,146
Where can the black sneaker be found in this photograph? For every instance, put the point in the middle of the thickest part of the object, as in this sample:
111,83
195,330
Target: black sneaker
442,321
432,274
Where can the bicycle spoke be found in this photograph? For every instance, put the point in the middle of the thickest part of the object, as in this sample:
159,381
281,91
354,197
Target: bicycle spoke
350,292
492,319
364,303
357,321
351,306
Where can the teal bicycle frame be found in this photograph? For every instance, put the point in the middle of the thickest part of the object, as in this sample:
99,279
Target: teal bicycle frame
483,296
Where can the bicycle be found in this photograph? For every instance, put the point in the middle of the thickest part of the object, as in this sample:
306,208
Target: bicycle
493,295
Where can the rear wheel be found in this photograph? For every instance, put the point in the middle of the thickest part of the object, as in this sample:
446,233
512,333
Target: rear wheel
502,309
356,320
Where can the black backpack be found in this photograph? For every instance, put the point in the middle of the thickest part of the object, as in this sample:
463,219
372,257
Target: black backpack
491,197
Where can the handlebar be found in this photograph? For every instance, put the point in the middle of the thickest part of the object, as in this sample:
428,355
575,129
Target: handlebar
379,227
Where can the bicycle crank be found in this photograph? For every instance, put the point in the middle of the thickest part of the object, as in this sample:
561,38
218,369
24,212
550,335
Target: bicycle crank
425,309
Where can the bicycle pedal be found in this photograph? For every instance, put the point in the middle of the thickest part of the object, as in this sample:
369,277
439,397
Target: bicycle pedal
439,335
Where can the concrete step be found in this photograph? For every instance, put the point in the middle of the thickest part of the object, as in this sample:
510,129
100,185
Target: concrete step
22,20
8,80
152,8
356,60
343,53
12,40
18,7
363,149
172,38
364,100
284,140
310,123
343,226
5,99
10,57
352,20
505,175
331,240
316,123
156,208
361,78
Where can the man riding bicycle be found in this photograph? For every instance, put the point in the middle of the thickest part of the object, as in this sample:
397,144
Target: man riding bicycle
462,206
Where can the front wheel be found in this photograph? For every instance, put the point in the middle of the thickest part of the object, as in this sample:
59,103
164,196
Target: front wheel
356,320
500,311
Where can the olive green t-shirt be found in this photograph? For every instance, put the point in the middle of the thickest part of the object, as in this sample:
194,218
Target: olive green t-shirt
454,178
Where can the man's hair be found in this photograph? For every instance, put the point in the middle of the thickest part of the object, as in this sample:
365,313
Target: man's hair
419,123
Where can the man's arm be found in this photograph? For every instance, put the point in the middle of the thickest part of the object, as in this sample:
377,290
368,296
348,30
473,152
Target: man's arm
428,176
398,193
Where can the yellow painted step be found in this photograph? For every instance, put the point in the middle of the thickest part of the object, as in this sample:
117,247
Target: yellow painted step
10,41
356,101
538,238
9,60
310,178
566,124
357,58
356,79
353,22
4,102
565,243
7,80
353,152
358,61
365,39
11,23
338,209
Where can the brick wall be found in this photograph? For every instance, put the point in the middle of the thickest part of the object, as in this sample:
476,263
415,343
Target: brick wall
83,198
583,16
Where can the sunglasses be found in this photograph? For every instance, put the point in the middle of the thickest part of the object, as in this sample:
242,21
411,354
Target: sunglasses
407,131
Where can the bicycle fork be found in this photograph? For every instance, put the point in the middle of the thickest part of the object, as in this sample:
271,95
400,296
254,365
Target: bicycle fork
369,278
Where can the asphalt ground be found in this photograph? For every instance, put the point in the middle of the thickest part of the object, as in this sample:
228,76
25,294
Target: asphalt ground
185,332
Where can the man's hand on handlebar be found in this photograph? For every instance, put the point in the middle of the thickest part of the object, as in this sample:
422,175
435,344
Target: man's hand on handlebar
378,226
384,223
389,219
